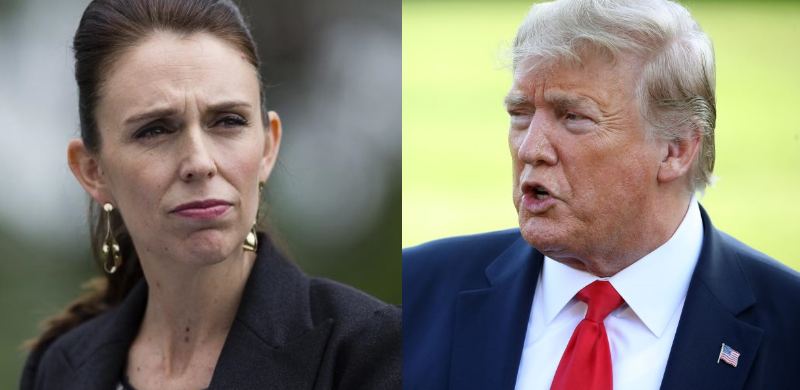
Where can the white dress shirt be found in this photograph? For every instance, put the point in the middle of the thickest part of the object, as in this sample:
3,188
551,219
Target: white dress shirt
640,332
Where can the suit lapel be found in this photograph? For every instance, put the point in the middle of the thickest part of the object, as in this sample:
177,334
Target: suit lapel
490,323
97,362
273,342
248,362
718,294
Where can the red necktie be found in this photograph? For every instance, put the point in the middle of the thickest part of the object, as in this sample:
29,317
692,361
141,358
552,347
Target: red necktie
586,364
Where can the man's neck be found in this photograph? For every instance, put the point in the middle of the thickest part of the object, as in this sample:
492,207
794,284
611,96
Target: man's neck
626,248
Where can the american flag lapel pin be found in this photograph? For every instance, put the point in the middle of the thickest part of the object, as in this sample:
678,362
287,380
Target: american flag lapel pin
729,355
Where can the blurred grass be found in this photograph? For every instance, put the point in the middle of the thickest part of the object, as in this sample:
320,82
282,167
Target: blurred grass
456,167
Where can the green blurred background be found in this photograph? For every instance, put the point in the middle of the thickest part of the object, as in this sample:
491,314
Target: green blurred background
334,75
456,167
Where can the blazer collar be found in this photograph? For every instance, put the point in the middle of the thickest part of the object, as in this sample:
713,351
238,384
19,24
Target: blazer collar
717,297
272,340
490,322
97,360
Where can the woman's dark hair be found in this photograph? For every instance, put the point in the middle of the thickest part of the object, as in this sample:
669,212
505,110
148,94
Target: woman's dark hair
107,30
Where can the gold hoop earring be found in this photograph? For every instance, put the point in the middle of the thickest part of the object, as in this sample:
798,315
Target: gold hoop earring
110,248
251,241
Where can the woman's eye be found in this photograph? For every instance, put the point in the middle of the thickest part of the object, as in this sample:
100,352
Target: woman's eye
151,132
232,121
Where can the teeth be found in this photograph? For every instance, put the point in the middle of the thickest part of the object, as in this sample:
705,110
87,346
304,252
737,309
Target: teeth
541,193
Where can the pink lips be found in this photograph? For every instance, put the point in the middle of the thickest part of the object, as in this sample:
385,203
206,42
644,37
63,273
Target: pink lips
536,205
531,202
204,209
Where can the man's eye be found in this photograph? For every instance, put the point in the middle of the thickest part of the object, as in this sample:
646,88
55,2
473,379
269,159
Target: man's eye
574,117
520,120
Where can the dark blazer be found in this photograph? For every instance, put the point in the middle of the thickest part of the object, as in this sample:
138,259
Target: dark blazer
467,301
290,332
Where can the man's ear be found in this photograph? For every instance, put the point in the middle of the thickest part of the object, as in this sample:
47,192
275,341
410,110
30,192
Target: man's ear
272,143
85,167
678,157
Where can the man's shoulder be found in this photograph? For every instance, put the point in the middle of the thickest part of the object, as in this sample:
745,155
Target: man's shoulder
452,264
444,252
762,271
435,275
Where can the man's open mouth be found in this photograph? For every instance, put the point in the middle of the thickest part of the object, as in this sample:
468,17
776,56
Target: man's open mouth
540,193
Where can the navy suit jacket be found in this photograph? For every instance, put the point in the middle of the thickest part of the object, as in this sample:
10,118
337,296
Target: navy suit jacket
467,300
290,332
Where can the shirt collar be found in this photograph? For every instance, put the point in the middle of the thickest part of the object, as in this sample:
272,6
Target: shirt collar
653,287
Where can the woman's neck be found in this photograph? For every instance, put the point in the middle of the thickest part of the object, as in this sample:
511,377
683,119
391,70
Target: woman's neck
189,312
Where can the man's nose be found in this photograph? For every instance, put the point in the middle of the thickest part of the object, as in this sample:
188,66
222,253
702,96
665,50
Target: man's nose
536,147
197,160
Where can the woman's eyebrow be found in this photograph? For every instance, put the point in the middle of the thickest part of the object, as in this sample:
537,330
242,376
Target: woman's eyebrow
150,114
168,111
228,105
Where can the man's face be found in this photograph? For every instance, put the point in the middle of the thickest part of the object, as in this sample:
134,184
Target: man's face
584,172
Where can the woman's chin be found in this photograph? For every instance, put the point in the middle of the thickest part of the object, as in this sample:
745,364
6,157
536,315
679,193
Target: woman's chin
209,249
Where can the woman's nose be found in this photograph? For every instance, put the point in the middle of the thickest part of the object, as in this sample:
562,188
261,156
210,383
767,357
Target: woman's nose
197,160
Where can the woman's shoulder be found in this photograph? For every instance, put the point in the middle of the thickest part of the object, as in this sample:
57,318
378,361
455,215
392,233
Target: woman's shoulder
102,339
64,355
355,314
332,299
348,339
275,275
367,335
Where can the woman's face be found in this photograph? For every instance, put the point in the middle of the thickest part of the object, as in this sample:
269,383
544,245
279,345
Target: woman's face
183,147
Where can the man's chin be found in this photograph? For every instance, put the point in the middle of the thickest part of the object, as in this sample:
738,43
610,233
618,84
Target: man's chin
542,233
